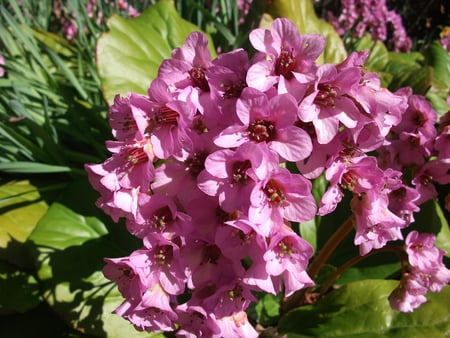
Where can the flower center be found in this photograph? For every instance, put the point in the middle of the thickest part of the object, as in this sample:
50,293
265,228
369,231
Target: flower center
285,64
236,292
199,126
261,131
163,116
274,192
349,180
240,171
419,118
285,248
137,156
164,254
233,90
198,78
196,163
161,217
211,254
326,95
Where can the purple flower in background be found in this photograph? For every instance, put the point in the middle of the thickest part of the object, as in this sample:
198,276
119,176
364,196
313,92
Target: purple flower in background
361,16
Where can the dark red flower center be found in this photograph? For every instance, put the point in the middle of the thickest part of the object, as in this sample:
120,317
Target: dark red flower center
211,254
196,163
349,180
163,116
240,171
326,95
234,90
137,156
274,192
198,78
419,118
261,131
285,64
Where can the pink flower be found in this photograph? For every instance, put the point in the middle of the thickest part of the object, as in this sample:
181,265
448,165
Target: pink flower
281,195
122,121
285,58
269,120
166,120
375,224
153,313
2,62
426,175
288,256
226,78
156,214
351,170
408,296
195,322
224,299
231,175
329,105
236,325
186,70
421,250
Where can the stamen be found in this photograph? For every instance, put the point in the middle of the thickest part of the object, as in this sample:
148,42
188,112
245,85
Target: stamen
261,131
274,192
285,64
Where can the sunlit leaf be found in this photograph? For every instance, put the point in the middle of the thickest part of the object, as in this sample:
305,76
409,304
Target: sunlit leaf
361,309
21,207
69,253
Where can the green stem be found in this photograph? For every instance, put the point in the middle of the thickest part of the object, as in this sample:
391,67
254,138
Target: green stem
319,261
330,246
396,249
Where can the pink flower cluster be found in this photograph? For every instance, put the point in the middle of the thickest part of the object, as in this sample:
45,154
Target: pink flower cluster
199,170
425,272
373,16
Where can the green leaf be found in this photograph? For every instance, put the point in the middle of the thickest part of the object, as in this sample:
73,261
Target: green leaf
61,228
302,14
379,55
69,250
20,290
267,310
55,42
129,55
25,167
361,309
439,59
21,207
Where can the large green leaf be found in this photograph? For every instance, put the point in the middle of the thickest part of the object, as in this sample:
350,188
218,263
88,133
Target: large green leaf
69,252
302,14
129,55
439,59
21,207
361,309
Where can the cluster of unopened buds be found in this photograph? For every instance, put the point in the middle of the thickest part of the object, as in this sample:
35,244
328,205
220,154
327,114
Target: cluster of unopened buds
213,167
